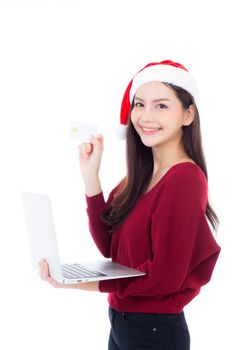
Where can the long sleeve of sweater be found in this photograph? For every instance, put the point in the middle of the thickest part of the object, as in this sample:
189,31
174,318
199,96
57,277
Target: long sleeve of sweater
99,231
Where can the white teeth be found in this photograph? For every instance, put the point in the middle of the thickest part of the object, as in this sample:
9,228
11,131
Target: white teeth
146,129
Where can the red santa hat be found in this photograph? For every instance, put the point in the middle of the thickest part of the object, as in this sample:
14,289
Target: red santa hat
165,71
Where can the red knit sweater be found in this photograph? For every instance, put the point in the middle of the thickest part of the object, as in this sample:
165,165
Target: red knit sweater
167,236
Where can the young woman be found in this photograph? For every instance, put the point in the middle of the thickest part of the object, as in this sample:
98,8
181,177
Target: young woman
155,219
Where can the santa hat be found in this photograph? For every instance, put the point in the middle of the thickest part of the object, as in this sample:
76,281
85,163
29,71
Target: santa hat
165,71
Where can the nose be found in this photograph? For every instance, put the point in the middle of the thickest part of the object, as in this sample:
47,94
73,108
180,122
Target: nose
147,115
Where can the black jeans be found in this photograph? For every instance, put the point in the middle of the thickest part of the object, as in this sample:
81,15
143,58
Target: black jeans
134,330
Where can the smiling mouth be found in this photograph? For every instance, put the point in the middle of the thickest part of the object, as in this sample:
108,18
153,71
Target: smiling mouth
150,130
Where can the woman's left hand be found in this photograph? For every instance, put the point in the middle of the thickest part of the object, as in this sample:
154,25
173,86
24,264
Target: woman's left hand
45,276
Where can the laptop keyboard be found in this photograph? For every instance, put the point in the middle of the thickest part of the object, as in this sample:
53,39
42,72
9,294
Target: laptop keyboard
78,271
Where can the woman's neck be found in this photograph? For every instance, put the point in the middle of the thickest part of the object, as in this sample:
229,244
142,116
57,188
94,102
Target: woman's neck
165,158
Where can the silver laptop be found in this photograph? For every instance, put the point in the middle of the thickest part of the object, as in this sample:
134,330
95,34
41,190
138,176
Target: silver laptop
43,245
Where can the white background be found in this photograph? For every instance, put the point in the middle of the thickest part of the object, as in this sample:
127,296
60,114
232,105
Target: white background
71,60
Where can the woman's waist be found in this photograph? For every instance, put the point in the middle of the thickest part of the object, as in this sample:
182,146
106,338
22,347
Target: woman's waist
173,304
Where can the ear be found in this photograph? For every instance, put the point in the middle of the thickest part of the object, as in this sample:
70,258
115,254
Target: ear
189,115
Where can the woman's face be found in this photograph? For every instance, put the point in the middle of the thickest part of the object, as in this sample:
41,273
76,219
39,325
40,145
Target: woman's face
158,115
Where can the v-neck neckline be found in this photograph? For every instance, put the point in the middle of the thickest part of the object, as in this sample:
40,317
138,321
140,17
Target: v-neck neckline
165,175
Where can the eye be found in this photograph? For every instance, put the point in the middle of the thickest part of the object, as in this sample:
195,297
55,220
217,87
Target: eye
161,106
138,104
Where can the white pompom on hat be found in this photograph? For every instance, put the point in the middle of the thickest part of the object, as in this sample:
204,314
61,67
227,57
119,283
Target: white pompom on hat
166,71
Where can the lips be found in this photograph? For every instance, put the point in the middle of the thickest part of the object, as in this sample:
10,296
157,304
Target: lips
150,131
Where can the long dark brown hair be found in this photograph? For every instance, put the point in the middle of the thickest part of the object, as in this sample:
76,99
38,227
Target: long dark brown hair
140,165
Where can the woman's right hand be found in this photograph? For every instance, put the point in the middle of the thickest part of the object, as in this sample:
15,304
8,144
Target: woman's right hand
90,155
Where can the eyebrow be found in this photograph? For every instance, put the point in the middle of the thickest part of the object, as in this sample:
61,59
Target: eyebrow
156,100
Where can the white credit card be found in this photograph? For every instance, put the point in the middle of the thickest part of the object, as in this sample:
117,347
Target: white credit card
80,131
